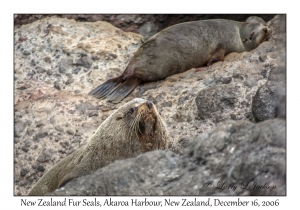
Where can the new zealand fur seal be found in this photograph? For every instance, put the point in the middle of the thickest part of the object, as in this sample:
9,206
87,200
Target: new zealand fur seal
135,128
182,47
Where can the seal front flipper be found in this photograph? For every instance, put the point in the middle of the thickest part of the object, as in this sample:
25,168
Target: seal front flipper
123,90
106,88
218,55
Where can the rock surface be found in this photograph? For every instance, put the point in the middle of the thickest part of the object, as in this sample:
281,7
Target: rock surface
58,61
233,159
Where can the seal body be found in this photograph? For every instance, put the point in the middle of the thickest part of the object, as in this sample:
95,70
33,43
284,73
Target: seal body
135,128
182,47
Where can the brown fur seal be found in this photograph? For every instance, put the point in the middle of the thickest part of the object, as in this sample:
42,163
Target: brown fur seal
180,48
135,128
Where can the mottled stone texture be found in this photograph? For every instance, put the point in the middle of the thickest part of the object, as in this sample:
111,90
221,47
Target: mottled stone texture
230,160
227,122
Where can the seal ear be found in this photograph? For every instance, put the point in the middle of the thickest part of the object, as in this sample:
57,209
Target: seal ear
119,117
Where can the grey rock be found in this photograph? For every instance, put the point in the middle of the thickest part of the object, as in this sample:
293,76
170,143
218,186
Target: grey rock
20,126
25,149
41,122
235,154
30,131
59,128
76,70
41,168
69,81
70,132
84,106
49,72
28,143
93,113
65,64
32,62
216,99
40,69
24,171
57,85
263,105
48,59
251,82
26,52
270,99
42,133
64,144
45,156
84,61
226,80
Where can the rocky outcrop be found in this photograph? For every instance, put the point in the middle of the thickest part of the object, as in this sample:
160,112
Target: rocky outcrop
221,119
236,158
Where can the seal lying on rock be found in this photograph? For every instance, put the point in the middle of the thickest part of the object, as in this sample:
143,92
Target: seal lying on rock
135,128
182,47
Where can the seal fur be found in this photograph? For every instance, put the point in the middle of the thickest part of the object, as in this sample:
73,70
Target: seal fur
135,128
182,47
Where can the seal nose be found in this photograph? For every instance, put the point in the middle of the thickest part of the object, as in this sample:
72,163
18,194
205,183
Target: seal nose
265,30
149,104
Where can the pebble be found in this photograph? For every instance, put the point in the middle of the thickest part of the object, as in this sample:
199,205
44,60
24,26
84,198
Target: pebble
52,120
20,126
59,128
30,131
226,80
57,85
28,143
69,81
64,144
26,52
43,133
25,149
45,156
23,172
93,113
65,64
24,87
49,72
76,70
40,69
47,59
70,132
41,168
41,123
84,61
32,63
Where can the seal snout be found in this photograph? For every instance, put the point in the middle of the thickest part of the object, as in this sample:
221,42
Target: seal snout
149,104
265,30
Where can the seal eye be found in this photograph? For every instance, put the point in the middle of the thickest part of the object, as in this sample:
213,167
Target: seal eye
132,109
251,36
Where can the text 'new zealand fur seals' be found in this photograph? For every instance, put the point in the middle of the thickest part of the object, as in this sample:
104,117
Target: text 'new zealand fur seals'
182,47
135,128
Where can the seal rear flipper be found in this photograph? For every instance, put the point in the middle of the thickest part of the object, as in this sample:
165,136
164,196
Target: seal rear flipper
123,90
106,88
